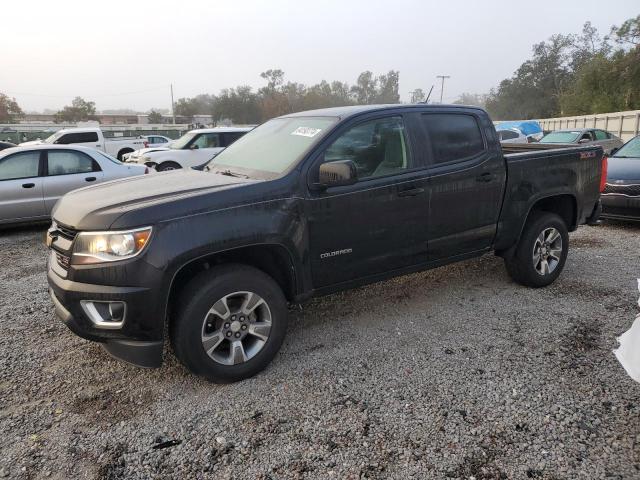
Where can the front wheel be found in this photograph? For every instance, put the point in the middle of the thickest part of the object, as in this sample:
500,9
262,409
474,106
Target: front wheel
230,323
541,252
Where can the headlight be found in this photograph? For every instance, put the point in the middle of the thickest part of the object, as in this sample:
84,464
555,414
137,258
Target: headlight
99,247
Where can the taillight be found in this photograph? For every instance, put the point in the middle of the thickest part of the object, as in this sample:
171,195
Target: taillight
146,170
603,175
146,144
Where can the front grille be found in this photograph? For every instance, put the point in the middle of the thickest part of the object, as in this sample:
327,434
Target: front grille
63,260
618,189
65,232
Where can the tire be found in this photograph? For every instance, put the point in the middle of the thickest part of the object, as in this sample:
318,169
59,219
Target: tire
168,166
209,317
541,252
123,152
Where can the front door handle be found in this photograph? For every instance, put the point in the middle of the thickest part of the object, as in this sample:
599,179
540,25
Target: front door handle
485,177
90,179
28,185
410,192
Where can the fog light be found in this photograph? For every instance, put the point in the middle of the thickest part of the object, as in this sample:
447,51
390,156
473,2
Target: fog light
105,314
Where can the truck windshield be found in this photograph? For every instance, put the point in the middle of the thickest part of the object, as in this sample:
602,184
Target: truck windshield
560,137
630,150
180,143
274,146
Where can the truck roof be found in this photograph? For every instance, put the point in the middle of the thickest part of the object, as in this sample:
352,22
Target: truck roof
223,129
349,111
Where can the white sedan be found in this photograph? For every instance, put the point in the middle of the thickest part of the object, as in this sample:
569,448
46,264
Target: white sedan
193,149
33,178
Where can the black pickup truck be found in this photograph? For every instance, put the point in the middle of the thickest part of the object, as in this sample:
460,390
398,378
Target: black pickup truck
304,205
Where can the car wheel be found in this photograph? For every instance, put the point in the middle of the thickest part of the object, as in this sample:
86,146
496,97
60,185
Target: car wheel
541,252
168,166
230,323
122,153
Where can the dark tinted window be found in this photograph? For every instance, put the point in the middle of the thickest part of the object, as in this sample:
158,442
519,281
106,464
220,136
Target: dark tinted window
20,165
84,137
66,162
231,137
378,147
601,135
507,135
453,136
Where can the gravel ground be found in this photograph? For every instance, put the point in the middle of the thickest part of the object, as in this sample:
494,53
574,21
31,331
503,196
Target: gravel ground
452,373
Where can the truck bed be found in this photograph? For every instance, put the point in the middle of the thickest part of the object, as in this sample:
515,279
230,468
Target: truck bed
528,147
571,172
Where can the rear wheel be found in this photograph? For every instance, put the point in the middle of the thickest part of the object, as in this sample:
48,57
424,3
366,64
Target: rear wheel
167,166
541,252
230,323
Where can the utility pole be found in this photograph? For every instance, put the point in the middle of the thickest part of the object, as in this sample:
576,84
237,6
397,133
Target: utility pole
443,77
173,113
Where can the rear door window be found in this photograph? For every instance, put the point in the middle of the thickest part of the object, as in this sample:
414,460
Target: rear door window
454,137
601,135
20,165
67,162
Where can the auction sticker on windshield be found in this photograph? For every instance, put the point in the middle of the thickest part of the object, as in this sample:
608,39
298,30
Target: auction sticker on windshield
306,131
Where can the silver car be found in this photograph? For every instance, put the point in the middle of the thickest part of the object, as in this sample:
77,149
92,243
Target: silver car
33,178
584,136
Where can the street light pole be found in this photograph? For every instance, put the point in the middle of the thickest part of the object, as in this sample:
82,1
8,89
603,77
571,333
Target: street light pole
173,113
443,77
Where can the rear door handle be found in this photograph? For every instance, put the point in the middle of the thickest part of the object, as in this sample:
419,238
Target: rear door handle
485,177
410,192
90,179
28,185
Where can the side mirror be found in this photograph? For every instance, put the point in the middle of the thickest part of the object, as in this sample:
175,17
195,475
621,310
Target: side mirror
194,147
584,140
337,174
613,151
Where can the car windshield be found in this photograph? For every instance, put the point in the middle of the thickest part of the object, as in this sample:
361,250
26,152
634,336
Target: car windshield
274,146
180,143
630,149
51,138
560,137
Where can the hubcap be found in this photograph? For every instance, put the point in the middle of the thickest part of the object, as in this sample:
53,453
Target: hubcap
236,328
547,251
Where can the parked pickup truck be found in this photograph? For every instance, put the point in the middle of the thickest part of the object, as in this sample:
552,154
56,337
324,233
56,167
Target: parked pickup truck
305,205
94,138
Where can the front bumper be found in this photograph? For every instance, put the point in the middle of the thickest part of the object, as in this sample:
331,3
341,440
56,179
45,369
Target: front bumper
620,207
140,338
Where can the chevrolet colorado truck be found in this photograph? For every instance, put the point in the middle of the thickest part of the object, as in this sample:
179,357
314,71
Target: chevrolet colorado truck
305,205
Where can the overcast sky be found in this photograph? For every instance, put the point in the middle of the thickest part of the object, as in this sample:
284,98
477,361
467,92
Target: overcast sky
126,53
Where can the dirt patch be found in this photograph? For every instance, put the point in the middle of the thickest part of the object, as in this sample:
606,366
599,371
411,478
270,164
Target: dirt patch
108,405
588,242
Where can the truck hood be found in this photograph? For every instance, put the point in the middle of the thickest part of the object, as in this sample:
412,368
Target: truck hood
619,168
143,199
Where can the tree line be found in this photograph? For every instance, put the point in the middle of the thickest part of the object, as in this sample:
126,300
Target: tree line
573,75
243,105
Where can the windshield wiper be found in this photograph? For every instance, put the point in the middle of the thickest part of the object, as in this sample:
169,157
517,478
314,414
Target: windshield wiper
229,173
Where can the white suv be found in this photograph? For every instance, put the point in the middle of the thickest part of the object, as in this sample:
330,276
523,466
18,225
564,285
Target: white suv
193,149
